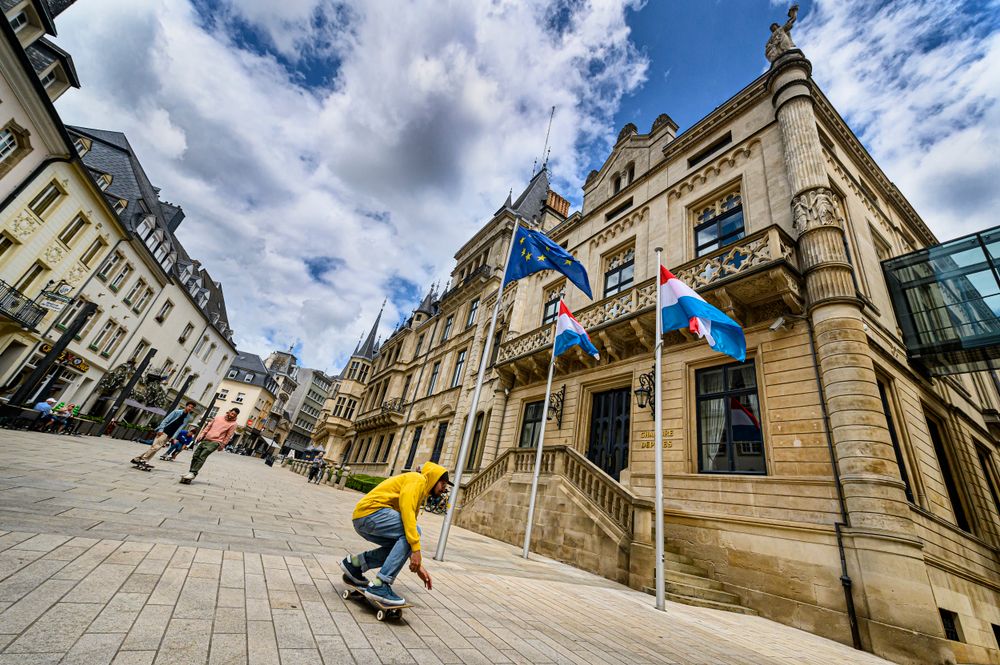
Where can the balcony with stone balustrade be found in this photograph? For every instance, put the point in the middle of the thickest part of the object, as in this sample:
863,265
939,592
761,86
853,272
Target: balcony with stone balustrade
754,279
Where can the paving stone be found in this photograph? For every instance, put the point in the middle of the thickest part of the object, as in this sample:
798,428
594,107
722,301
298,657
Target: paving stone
119,614
43,542
57,629
292,629
300,657
137,583
100,585
147,631
30,658
169,587
262,646
94,649
23,613
197,599
185,643
231,597
228,650
230,620
134,658
28,578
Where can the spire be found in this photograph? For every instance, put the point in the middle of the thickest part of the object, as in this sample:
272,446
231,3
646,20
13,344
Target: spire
367,350
427,304
509,202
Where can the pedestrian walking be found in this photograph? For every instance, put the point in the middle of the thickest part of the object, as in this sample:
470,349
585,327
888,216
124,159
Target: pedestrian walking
165,431
387,516
313,471
213,437
321,471
183,438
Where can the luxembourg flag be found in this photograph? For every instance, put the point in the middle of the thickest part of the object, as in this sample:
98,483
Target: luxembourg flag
570,333
682,307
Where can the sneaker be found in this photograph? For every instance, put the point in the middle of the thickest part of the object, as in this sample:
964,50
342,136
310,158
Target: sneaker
353,573
384,594
137,461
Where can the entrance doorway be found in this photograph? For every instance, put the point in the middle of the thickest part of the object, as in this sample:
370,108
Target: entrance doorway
609,431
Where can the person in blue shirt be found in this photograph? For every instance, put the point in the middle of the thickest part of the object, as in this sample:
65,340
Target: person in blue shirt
183,438
46,410
174,422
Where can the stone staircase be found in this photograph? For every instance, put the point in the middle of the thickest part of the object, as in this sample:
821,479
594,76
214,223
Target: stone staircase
587,519
685,582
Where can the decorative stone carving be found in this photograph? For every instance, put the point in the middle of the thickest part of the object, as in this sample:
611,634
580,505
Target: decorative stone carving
713,170
628,130
815,208
75,274
54,254
24,224
590,177
662,119
781,36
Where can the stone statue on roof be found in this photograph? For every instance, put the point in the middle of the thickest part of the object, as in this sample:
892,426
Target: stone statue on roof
781,36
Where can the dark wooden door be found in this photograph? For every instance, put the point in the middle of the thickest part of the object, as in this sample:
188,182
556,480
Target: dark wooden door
609,431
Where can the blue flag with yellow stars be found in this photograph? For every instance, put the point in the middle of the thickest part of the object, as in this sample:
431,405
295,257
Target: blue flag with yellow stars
534,251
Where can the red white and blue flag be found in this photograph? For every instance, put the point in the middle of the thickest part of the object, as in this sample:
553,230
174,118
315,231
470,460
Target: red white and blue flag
682,307
570,333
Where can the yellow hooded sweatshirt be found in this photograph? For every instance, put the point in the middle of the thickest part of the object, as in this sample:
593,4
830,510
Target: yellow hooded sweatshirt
405,494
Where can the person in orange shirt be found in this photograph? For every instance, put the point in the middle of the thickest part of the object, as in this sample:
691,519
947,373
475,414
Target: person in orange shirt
213,437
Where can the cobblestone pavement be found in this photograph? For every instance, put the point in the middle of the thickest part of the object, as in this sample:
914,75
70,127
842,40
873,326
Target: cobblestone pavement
104,564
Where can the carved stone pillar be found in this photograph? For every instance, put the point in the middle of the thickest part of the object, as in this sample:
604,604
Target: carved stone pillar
891,578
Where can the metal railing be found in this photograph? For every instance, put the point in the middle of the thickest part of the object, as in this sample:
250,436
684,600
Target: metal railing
19,307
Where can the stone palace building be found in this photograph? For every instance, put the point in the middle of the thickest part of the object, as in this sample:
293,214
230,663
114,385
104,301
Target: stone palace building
843,480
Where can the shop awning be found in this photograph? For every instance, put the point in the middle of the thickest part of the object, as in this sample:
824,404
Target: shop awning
143,407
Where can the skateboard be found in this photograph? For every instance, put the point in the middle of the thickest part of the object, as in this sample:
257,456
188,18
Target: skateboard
382,612
143,466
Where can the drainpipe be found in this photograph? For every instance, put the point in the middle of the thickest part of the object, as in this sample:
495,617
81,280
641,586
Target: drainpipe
845,518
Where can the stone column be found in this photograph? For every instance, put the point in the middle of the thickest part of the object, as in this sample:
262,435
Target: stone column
891,582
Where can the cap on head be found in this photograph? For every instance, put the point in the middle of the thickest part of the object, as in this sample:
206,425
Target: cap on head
51,400
444,477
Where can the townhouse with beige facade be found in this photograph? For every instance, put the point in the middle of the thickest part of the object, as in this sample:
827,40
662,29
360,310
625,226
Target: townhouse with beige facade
843,479
82,224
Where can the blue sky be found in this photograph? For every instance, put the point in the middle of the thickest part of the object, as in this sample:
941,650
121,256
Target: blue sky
333,154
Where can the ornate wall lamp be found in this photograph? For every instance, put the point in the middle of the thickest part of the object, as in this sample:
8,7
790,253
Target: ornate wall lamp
646,392
556,406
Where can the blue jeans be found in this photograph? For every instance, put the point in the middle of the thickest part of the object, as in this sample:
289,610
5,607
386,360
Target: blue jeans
174,448
384,528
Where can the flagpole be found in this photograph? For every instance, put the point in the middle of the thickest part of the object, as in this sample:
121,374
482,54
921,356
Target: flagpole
470,421
658,440
538,451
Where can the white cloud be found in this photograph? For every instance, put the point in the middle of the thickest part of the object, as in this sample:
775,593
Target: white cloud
435,110
919,82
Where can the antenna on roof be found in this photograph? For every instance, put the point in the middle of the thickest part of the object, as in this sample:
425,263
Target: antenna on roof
546,150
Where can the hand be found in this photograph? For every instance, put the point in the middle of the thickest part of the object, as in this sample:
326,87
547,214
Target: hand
415,561
425,577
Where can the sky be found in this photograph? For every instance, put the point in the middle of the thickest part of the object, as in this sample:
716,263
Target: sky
334,154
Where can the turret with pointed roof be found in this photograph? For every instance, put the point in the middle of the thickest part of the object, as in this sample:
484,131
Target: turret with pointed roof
369,348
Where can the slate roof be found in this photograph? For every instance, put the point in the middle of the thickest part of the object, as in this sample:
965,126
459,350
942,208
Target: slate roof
531,201
250,363
369,348
43,53
111,153
57,7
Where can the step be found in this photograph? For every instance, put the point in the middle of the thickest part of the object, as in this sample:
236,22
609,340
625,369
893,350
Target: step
701,602
684,568
699,581
677,556
693,591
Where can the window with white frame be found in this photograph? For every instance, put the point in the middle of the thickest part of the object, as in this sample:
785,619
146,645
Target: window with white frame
473,310
239,398
69,313
19,21
104,181
456,378
119,206
103,334
116,337
30,277
249,377
49,78
201,343
110,264
119,281
135,291
8,144
139,350
143,299
188,329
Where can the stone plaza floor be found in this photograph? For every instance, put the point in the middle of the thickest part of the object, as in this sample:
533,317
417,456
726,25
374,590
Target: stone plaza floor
103,564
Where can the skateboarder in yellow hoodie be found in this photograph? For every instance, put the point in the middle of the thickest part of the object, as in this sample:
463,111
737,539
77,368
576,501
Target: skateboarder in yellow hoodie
387,516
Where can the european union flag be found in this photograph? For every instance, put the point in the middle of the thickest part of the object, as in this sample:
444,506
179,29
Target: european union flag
534,251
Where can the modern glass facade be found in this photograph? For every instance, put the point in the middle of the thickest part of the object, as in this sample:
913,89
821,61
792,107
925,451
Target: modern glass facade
947,302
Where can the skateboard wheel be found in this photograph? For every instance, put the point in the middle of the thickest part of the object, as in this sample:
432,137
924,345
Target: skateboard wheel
396,614
380,615
346,594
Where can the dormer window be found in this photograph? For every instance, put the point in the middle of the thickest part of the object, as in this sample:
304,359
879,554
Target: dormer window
160,253
145,227
119,206
49,79
104,182
19,21
82,146
169,263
